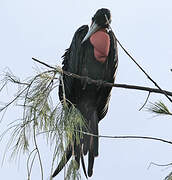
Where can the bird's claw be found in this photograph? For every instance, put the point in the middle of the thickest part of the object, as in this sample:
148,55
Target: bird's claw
85,81
99,84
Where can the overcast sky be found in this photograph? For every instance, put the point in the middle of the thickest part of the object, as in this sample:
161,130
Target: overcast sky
44,29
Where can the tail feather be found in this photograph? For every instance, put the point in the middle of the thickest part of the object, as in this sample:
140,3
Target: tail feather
93,144
90,163
87,144
83,164
77,153
96,141
64,160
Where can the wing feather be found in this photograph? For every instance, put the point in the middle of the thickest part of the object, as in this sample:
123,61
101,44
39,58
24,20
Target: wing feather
71,63
110,73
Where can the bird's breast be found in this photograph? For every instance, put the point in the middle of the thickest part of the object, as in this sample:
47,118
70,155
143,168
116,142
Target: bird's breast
101,43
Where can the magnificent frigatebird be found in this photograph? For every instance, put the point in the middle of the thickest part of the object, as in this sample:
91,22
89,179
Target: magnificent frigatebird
92,53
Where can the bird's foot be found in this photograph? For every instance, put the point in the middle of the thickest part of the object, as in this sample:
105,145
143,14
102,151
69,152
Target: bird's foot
85,81
99,84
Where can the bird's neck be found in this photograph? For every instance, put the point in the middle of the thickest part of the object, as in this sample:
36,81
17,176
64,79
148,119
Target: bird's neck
103,29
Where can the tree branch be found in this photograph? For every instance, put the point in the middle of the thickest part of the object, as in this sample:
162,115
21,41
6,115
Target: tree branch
161,165
137,64
162,91
104,83
142,88
131,137
119,137
138,137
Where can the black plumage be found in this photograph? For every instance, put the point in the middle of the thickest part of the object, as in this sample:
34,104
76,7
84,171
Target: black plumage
91,100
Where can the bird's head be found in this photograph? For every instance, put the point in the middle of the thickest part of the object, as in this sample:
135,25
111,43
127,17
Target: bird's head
101,19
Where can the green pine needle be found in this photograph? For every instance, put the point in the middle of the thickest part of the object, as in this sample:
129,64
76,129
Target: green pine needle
159,108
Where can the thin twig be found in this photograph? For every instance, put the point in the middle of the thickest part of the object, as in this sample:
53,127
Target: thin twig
17,81
2,87
161,165
31,166
29,170
7,105
119,137
145,102
37,149
138,137
63,89
43,63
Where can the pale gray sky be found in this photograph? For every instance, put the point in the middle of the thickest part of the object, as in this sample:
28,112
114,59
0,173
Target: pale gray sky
44,29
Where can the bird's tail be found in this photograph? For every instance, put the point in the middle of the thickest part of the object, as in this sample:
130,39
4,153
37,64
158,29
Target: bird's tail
89,144
67,155
76,150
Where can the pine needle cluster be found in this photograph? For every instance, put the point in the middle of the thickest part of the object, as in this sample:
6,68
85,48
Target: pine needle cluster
159,108
42,114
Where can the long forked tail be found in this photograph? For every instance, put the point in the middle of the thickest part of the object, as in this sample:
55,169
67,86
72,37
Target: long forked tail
67,155
89,145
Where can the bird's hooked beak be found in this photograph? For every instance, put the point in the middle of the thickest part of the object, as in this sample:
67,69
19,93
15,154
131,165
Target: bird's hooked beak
93,28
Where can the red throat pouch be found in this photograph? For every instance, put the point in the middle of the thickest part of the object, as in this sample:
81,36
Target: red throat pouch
101,43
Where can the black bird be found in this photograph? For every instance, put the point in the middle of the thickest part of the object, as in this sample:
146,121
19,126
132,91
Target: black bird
92,53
